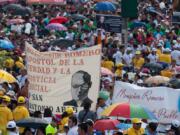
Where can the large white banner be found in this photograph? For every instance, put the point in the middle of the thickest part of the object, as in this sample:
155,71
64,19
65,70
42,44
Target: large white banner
58,79
163,101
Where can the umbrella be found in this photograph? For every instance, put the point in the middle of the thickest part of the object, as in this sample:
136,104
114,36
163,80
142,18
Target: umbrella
105,71
154,67
105,6
15,21
105,124
174,83
7,77
62,43
56,26
138,24
22,12
127,110
32,123
157,80
18,9
77,17
123,126
59,19
4,44
12,7
152,10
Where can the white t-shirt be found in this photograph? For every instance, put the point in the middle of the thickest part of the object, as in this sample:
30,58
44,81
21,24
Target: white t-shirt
28,27
128,59
176,56
73,131
153,58
118,57
12,133
99,111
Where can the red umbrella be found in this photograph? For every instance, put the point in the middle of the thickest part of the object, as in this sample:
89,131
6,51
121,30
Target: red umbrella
106,124
15,21
59,19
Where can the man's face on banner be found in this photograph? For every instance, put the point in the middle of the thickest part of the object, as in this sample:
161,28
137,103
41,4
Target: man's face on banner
79,88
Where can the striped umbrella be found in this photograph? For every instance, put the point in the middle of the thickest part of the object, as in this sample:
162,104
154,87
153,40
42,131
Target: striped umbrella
127,110
56,26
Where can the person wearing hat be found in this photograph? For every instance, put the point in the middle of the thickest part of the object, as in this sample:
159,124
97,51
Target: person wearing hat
138,61
153,57
5,114
174,127
12,128
20,112
65,117
136,129
119,70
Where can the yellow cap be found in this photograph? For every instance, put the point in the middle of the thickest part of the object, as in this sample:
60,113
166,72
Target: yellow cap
136,121
21,99
69,110
6,98
120,65
138,52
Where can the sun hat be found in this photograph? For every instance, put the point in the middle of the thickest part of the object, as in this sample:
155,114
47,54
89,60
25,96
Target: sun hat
136,121
138,52
6,98
11,125
69,110
21,99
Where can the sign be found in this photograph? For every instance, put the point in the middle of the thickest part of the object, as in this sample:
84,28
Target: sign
176,18
110,23
47,1
162,101
58,79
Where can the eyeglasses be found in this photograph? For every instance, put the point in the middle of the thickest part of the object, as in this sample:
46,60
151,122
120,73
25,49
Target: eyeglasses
138,124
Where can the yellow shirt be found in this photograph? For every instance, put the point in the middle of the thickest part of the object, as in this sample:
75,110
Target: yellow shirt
158,52
64,121
118,72
138,62
165,58
108,64
132,131
5,116
19,113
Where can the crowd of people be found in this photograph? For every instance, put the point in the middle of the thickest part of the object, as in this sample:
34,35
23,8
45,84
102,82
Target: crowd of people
153,49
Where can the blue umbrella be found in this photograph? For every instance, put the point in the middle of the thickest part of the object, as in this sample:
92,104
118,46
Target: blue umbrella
138,24
105,6
4,44
123,126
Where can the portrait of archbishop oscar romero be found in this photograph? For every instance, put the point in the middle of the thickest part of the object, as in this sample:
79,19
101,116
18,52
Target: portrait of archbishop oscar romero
80,85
